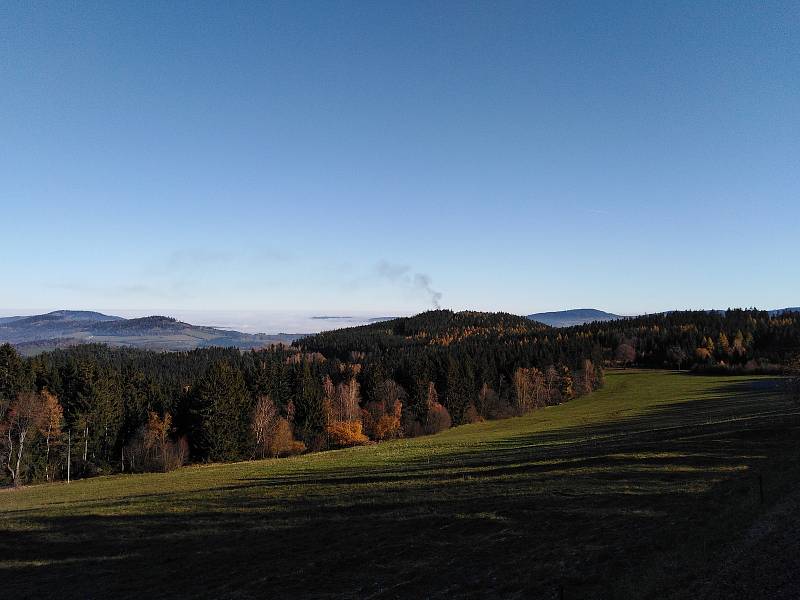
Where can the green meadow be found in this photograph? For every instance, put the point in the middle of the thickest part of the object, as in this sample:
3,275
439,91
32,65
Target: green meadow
638,490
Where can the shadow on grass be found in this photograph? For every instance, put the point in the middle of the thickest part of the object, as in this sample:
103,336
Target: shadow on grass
589,508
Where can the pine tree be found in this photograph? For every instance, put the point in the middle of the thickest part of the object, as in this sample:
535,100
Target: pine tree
309,408
225,408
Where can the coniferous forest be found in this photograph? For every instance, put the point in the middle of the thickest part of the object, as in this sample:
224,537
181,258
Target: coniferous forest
93,409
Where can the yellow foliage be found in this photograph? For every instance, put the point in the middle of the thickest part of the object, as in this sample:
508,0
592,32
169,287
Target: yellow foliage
387,427
345,433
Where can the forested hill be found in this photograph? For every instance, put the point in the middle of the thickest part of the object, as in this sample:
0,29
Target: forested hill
432,328
461,352
736,339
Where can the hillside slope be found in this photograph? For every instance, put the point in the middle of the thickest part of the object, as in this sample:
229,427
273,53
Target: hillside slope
635,491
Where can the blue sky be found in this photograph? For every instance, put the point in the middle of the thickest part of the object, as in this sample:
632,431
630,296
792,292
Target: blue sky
384,156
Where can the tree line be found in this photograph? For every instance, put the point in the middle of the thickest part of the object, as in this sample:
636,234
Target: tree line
94,409
736,340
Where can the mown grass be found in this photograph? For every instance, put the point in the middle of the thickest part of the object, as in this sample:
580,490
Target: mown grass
632,492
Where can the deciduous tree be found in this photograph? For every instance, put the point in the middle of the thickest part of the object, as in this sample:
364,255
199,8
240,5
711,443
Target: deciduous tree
52,421
436,418
23,419
264,426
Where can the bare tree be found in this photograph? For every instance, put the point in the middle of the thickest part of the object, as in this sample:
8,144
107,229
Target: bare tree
531,387
626,353
587,377
23,418
264,425
153,449
676,355
348,401
522,390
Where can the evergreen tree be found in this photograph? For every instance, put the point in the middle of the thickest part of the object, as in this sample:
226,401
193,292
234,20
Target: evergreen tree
225,407
309,408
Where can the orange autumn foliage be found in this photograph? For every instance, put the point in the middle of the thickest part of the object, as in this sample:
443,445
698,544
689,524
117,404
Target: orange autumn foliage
388,427
345,433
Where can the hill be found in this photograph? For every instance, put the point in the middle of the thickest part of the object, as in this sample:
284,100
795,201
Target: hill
583,316
59,323
640,490
780,311
705,340
576,316
430,328
64,328
472,361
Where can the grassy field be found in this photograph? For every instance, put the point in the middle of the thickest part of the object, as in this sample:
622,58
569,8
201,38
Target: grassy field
636,491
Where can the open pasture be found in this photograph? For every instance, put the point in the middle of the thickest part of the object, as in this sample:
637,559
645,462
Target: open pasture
635,491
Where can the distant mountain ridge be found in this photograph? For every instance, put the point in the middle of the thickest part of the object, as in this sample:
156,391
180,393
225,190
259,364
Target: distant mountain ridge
575,316
62,328
581,316
62,316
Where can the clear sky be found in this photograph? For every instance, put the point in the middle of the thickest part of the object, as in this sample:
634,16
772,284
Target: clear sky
528,156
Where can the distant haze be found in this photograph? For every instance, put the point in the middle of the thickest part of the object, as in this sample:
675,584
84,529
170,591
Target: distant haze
249,321
577,316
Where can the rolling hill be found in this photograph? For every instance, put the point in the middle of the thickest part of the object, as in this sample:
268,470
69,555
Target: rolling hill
434,328
64,328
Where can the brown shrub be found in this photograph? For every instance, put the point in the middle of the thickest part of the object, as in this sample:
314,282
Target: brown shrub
413,428
471,415
702,354
438,419
388,427
502,410
176,454
370,415
382,418
282,442
152,448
